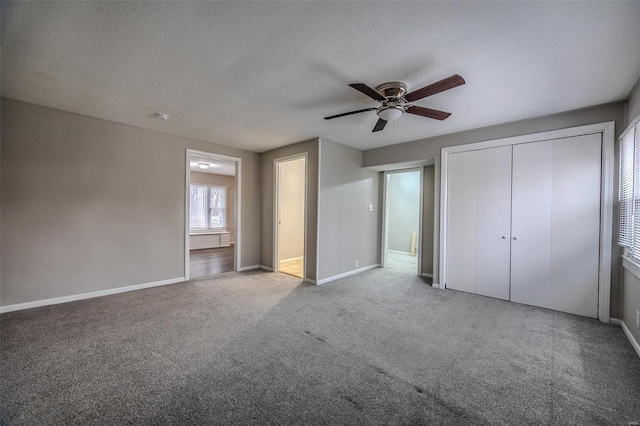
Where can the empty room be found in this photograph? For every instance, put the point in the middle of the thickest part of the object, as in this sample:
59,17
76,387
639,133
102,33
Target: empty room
311,212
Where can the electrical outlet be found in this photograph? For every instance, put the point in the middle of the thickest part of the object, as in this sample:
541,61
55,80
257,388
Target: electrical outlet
638,319
356,263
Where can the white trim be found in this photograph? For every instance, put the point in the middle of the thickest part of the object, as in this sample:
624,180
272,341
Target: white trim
292,259
310,281
435,285
237,216
632,339
534,137
346,274
266,268
631,125
248,268
317,215
615,321
631,265
398,251
436,220
276,187
385,216
90,295
427,275
606,201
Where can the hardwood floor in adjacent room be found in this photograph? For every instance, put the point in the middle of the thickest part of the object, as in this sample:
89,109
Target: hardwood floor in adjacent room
205,263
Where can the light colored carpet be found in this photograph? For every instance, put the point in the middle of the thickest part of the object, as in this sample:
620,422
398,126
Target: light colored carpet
379,347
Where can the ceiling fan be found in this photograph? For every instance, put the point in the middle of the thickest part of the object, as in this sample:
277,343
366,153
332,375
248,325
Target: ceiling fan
395,100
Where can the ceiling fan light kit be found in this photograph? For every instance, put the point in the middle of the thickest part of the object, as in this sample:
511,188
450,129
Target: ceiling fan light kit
395,101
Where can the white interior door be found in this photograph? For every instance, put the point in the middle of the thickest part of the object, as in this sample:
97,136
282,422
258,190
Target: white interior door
478,221
555,224
462,190
531,223
493,220
575,233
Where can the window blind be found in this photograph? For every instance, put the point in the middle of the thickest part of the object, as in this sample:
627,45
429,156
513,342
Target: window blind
625,195
635,236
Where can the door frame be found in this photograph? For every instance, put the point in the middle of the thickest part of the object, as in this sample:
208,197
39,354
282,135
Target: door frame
276,199
236,204
385,214
606,129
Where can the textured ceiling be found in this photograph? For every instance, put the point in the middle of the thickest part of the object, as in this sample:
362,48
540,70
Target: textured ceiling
259,75
216,167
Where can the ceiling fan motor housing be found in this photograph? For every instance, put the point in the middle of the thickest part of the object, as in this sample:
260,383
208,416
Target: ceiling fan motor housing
393,90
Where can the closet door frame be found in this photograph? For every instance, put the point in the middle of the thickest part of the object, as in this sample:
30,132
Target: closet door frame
606,129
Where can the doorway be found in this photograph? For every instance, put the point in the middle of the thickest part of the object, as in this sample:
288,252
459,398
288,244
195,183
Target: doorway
290,215
212,243
402,221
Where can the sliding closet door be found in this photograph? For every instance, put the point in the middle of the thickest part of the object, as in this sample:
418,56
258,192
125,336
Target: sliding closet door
478,221
556,224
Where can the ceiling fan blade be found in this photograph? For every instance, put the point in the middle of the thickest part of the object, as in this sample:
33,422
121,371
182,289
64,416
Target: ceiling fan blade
379,125
368,91
442,85
428,112
349,113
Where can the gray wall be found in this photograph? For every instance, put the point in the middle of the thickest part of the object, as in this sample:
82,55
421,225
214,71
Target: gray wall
90,205
221,180
291,210
266,204
630,300
428,194
403,209
633,105
348,231
428,148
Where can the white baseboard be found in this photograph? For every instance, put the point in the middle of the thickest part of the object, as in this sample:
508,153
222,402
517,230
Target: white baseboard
91,295
266,268
310,281
398,251
615,321
435,285
424,274
632,339
347,274
248,268
292,259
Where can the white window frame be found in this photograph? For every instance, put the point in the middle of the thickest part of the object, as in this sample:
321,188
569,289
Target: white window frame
208,208
629,237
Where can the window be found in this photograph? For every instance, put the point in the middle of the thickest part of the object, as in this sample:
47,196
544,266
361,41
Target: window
629,195
208,207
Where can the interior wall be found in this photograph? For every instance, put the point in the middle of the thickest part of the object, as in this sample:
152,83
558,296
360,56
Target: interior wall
348,230
91,205
425,149
267,168
633,105
403,204
291,210
221,180
428,200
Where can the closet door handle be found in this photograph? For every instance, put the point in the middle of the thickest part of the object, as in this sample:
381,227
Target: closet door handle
515,238
504,237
